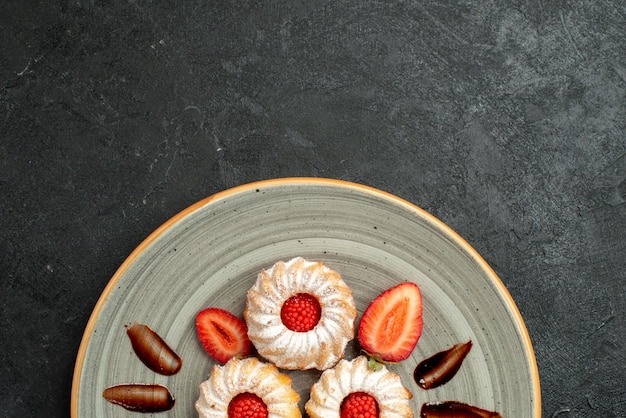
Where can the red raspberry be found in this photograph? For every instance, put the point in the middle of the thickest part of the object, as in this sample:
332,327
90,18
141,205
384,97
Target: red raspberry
359,405
247,405
301,312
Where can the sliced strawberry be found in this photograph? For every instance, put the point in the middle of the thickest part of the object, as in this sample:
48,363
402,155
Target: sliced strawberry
301,312
392,323
222,334
358,405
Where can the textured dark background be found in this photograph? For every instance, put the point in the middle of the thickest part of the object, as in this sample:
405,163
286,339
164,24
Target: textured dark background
507,120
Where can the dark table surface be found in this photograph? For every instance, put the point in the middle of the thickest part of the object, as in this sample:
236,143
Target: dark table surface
507,122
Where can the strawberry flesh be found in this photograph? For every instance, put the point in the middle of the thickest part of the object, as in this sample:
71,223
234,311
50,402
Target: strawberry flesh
222,334
247,405
301,312
359,405
392,323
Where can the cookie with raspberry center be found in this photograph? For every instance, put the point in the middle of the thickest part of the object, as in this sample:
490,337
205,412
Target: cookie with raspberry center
300,315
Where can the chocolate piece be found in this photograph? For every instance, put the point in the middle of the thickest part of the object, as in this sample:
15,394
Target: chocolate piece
453,409
441,367
140,397
153,351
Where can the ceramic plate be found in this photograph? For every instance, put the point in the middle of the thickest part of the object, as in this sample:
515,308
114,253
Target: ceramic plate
209,255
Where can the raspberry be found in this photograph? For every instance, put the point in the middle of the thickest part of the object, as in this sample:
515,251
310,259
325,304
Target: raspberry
247,405
359,405
301,312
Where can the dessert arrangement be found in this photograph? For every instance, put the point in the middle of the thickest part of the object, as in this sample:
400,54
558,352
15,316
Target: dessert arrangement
300,315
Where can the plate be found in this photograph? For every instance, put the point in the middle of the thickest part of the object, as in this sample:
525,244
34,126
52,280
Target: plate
210,254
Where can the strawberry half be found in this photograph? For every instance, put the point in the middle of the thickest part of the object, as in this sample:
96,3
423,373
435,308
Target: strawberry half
222,334
392,323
